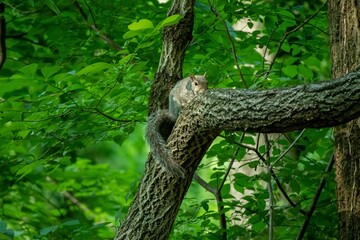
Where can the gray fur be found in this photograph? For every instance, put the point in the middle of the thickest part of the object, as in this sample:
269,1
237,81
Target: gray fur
180,96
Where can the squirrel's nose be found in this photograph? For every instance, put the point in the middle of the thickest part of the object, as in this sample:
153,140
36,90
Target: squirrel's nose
201,90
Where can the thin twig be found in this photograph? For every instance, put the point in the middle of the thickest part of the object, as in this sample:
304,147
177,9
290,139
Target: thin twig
267,48
270,189
111,118
231,162
93,26
288,34
273,174
219,202
289,148
217,191
316,198
233,49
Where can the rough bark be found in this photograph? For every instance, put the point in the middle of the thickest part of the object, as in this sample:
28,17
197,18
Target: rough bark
345,53
309,106
176,39
312,106
154,208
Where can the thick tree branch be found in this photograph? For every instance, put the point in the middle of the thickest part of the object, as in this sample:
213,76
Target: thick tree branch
318,105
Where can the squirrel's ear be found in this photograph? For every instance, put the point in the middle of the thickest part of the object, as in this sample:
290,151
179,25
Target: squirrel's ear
204,74
192,77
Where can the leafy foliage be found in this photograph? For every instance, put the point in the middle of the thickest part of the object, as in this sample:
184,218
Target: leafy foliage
75,86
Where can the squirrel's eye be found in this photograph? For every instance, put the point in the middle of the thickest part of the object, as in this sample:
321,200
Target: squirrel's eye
195,83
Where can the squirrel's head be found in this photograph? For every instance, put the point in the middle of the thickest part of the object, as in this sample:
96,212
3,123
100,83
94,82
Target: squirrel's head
199,83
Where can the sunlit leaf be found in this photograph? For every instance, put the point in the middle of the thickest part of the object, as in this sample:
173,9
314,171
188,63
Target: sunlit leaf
94,68
48,71
141,25
171,20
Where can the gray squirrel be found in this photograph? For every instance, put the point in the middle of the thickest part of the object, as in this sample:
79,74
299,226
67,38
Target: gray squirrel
160,121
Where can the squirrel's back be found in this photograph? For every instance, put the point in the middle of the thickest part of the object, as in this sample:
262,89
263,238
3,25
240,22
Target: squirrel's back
180,95
184,91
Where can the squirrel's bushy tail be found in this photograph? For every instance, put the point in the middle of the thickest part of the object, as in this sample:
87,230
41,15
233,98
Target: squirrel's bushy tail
158,147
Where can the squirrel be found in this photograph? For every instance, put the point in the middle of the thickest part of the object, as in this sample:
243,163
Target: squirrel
162,120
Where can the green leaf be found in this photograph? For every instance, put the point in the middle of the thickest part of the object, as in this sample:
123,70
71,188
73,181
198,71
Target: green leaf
99,225
312,62
205,205
17,83
242,179
249,140
259,226
146,44
46,231
23,133
71,222
285,47
288,14
29,70
65,161
295,50
295,186
28,168
52,6
254,164
126,59
48,71
142,24
305,72
171,20
131,34
290,71
270,21
94,68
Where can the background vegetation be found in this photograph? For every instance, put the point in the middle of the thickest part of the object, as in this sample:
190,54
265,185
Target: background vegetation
73,104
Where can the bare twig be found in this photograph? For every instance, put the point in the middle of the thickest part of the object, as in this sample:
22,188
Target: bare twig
267,48
289,148
219,201
273,174
316,198
217,191
74,200
112,118
270,189
233,49
288,34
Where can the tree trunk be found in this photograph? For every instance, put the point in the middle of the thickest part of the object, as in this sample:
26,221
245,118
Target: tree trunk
157,201
345,53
